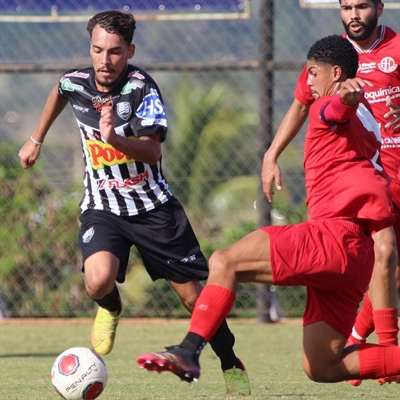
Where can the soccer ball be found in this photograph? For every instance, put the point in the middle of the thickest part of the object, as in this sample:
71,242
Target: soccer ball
79,373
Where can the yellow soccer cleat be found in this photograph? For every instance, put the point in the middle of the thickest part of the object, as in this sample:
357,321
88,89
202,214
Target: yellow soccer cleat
104,329
237,382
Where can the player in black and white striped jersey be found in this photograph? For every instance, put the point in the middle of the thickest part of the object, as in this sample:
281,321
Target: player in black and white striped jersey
127,202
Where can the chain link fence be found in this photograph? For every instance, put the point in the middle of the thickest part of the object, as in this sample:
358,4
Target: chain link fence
205,57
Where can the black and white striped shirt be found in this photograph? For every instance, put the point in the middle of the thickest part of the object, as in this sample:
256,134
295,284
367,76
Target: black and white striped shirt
113,181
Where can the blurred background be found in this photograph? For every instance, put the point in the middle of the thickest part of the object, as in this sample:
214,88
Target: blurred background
227,71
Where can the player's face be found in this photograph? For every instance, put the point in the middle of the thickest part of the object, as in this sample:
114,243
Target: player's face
321,79
359,18
110,55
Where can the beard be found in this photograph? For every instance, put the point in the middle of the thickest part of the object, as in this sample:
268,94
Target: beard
365,33
106,83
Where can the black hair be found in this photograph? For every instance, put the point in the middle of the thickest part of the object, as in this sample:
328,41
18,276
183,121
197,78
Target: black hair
376,2
113,21
335,50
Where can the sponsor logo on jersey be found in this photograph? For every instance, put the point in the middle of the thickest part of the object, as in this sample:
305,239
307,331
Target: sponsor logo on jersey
135,74
387,65
376,96
78,74
132,85
124,110
87,236
365,68
129,183
152,110
102,154
391,142
99,102
128,88
80,109
70,87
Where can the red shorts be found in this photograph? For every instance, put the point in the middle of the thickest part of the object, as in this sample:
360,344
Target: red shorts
333,259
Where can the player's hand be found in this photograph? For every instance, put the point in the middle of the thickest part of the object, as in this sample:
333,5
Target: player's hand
351,89
270,172
394,112
107,124
28,154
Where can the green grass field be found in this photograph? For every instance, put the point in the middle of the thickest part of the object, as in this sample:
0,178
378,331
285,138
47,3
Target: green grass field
271,353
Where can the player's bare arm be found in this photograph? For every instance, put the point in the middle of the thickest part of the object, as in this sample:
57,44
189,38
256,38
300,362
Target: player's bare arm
288,129
394,113
30,152
147,149
351,89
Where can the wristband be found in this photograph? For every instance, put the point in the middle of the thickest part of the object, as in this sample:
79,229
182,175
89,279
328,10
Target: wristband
36,142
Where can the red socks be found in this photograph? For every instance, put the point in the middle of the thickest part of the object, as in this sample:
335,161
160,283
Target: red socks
364,324
383,321
386,326
211,308
378,361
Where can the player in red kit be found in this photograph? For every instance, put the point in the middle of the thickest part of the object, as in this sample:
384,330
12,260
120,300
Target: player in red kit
331,253
378,49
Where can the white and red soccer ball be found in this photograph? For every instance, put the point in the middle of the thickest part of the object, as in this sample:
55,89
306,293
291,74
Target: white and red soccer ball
79,373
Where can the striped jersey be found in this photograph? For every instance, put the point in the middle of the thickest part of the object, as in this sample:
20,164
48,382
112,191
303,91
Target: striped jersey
113,181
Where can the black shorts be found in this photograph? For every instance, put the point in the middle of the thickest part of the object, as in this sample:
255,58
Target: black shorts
163,237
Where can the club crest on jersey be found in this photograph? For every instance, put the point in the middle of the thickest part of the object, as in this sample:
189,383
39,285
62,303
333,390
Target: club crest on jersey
99,102
87,236
387,65
151,111
124,110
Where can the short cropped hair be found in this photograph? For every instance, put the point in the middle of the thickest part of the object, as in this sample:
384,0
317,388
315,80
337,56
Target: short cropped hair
335,50
113,21
376,2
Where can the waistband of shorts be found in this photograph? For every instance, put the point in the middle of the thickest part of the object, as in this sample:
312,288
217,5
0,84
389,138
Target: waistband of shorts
360,223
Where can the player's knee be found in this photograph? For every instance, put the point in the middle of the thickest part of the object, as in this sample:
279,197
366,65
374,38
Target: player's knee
97,288
219,262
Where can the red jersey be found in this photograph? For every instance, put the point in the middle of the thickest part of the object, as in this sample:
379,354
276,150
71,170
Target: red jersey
343,178
380,65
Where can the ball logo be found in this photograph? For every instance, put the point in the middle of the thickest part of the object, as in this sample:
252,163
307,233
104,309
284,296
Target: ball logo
69,364
387,65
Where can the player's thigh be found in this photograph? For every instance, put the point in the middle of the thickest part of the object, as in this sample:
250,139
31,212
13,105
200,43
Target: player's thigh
322,352
248,259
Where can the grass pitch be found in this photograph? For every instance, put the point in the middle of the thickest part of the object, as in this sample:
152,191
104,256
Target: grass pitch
271,353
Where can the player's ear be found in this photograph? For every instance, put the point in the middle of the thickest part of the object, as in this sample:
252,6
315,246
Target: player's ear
131,50
337,73
379,9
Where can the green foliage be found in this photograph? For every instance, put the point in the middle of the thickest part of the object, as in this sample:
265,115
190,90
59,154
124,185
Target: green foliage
39,246
213,140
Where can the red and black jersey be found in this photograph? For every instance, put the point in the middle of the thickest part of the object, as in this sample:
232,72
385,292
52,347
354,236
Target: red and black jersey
113,181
